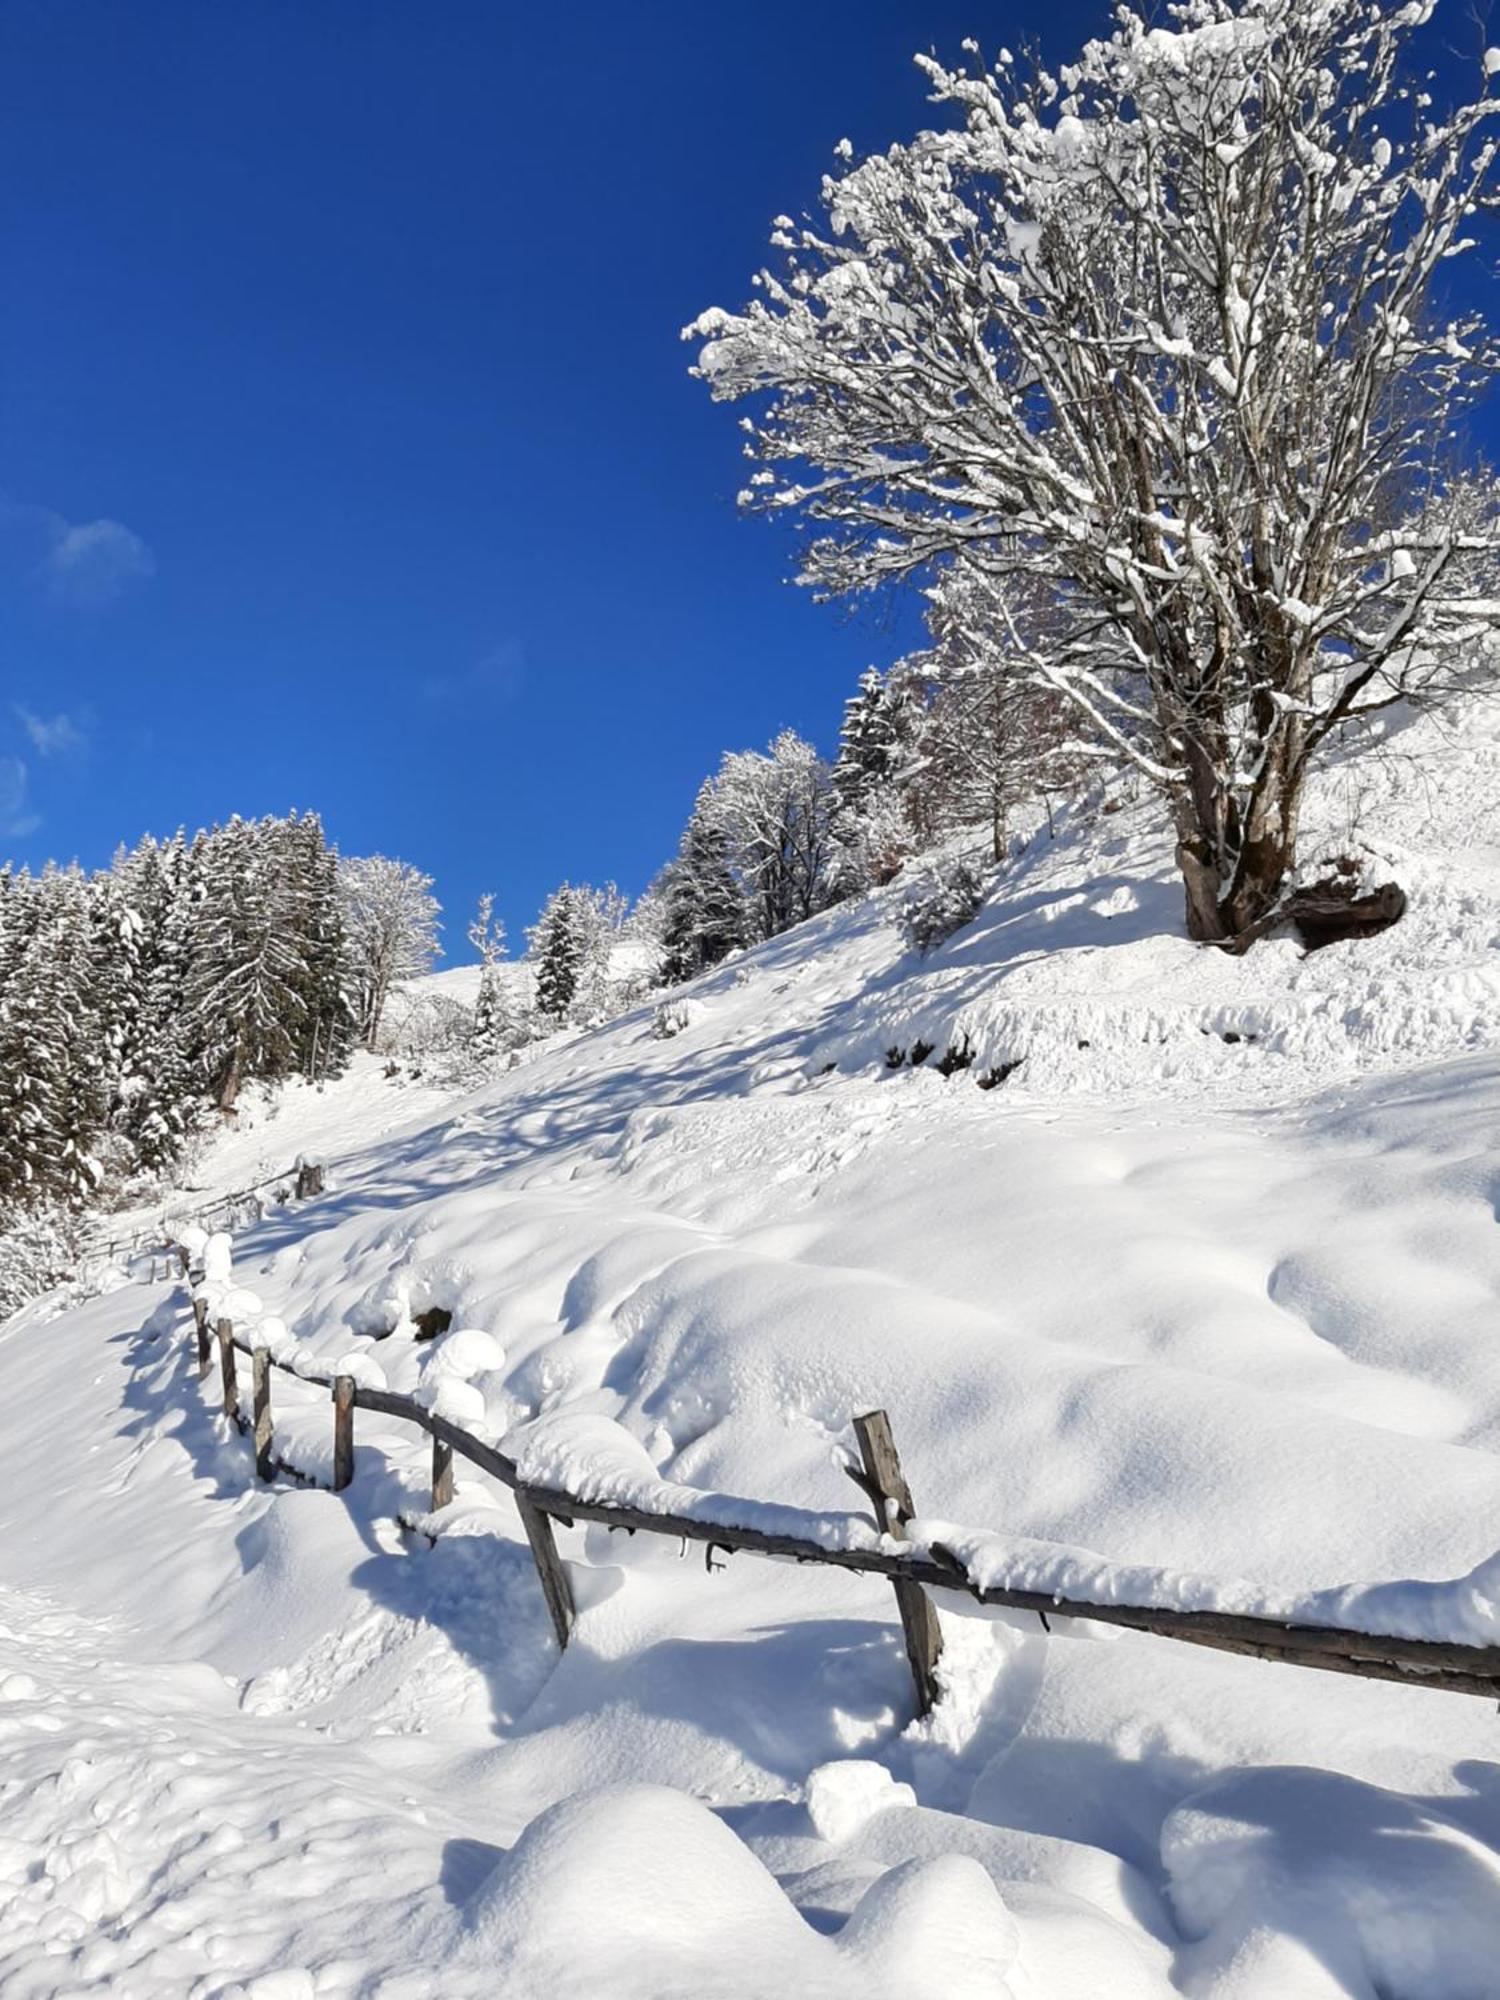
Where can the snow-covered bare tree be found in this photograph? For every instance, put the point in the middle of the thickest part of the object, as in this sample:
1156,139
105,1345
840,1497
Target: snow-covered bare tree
1164,336
991,736
775,809
390,926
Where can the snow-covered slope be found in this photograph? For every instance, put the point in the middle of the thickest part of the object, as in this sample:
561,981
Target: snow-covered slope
1220,1306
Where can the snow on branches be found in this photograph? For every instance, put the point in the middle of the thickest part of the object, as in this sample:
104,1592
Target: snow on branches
1155,339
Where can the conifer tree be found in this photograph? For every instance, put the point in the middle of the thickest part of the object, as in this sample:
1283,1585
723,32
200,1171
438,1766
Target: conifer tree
493,1032
557,953
704,916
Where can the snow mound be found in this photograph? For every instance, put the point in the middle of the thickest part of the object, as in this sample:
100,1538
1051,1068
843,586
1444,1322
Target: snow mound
1270,1869
842,1796
640,1892
935,1927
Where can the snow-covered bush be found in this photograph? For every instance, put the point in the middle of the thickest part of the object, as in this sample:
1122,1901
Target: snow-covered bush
672,1017
39,1249
941,900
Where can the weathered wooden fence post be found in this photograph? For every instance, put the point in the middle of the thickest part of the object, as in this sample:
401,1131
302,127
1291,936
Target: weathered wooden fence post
882,1478
261,1362
555,1585
442,1473
226,1368
343,1431
200,1321
309,1179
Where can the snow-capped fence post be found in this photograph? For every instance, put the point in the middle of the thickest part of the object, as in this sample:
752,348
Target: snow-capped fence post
309,1179
555,1585
442,1473
343,1431
226,1368
260,1361
200,1323
882,1478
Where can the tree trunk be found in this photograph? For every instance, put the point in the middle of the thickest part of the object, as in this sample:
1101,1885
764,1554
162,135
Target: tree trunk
1234,866
229,1088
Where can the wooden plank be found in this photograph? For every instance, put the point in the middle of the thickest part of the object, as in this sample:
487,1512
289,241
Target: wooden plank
485,1456
442,1473
555,1585
226,1369
1418,1662
264,1452
200,1322
343,1431
886,1485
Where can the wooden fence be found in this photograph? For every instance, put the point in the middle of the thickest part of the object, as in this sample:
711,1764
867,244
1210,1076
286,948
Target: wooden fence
1425,1663
221,1211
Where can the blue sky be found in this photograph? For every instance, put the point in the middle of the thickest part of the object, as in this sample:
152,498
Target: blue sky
348,455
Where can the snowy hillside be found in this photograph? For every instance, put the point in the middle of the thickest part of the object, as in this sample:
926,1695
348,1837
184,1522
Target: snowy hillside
1207,1282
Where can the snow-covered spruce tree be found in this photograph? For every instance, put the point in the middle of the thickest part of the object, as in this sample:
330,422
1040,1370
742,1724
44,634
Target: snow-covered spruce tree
1157,335
703,916
874,828
494,1031
775,808
327,1030
557,947
53,1084
245,982
390,925
572,946
161,1093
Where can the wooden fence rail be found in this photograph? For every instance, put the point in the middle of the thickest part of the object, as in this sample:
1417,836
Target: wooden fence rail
301,1181
1428,1663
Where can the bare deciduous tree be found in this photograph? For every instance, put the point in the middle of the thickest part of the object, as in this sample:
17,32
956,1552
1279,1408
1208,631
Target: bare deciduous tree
391,923
775,809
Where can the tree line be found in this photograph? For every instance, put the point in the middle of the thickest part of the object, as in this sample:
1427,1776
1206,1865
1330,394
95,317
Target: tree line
137,999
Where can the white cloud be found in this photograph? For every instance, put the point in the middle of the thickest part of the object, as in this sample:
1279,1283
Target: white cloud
52,736
92,561
79,562
16,818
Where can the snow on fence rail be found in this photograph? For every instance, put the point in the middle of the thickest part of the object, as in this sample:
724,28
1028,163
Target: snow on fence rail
618,1487
304,1178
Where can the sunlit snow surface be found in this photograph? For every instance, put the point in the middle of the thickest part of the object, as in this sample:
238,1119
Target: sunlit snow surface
1227,1309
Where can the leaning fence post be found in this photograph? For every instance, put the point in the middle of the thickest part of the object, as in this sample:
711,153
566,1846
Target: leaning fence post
261,1362
200,1321
343,1431
882,1478
555,1585
226,1368
442,1473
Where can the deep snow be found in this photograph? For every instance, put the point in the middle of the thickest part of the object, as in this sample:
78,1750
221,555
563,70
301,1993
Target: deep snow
1223,1308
